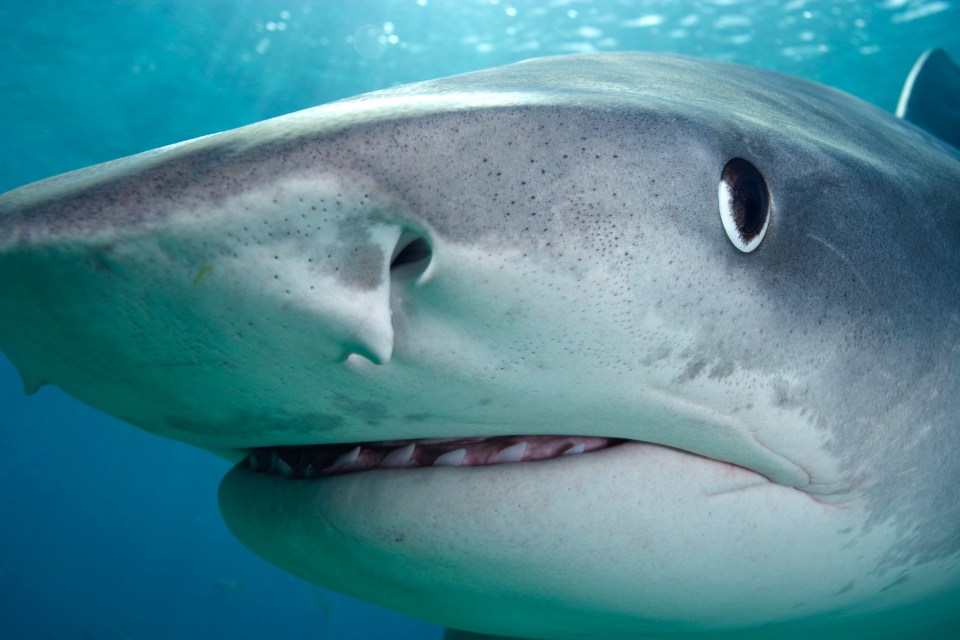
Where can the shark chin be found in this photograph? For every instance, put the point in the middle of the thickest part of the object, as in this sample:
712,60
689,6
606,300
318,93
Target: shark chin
576,546
596,346
537,541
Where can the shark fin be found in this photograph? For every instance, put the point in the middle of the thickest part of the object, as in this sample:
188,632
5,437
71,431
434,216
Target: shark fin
931,96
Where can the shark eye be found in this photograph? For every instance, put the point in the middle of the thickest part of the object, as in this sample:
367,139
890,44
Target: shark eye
744,204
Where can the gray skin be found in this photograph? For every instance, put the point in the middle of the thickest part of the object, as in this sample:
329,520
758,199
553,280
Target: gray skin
236,291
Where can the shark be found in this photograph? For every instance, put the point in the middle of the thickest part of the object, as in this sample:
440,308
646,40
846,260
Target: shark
595,346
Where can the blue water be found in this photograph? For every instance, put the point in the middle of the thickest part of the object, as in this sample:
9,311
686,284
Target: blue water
107,532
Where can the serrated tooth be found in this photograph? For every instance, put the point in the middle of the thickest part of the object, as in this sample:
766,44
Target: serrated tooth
451,458
252,461
284,468
513,453
399,457
308,471
575,449
349,457
273,461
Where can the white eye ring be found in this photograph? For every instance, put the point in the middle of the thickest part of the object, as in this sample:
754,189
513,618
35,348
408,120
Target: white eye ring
744,204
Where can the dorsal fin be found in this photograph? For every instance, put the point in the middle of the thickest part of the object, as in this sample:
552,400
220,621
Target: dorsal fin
931,96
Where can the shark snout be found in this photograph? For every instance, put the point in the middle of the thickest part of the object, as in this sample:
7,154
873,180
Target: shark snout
214,306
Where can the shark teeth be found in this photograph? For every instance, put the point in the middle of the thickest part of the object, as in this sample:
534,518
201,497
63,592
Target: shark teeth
513,453
451,458
402,457
319,461
348,458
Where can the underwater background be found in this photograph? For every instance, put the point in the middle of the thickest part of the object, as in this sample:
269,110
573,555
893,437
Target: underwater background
107,532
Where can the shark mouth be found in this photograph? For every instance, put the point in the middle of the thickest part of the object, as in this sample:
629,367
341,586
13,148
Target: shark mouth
318,461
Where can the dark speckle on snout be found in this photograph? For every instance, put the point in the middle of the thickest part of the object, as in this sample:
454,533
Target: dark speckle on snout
372,412
721,370
694,368
360,261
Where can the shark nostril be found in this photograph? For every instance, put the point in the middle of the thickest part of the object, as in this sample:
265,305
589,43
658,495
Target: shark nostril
412,255
409,268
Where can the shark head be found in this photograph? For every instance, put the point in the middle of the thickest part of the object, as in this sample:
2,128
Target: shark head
585,346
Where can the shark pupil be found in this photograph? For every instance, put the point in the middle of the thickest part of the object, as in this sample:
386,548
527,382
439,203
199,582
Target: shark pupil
744,204
749,207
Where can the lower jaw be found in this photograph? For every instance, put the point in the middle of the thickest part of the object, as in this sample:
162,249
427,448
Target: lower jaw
318,461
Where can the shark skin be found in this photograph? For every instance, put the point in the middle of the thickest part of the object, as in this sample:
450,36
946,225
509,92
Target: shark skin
733,290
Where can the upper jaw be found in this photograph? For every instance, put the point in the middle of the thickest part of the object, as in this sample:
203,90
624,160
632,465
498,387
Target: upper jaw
337,459
454,446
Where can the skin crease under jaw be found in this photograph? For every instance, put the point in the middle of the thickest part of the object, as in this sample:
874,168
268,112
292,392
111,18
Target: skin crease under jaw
792,411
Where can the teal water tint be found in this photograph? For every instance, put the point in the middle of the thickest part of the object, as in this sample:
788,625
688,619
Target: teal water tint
108,532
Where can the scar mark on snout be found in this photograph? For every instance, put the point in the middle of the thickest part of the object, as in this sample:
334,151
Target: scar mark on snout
903,577
202,273
844,589
844,259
